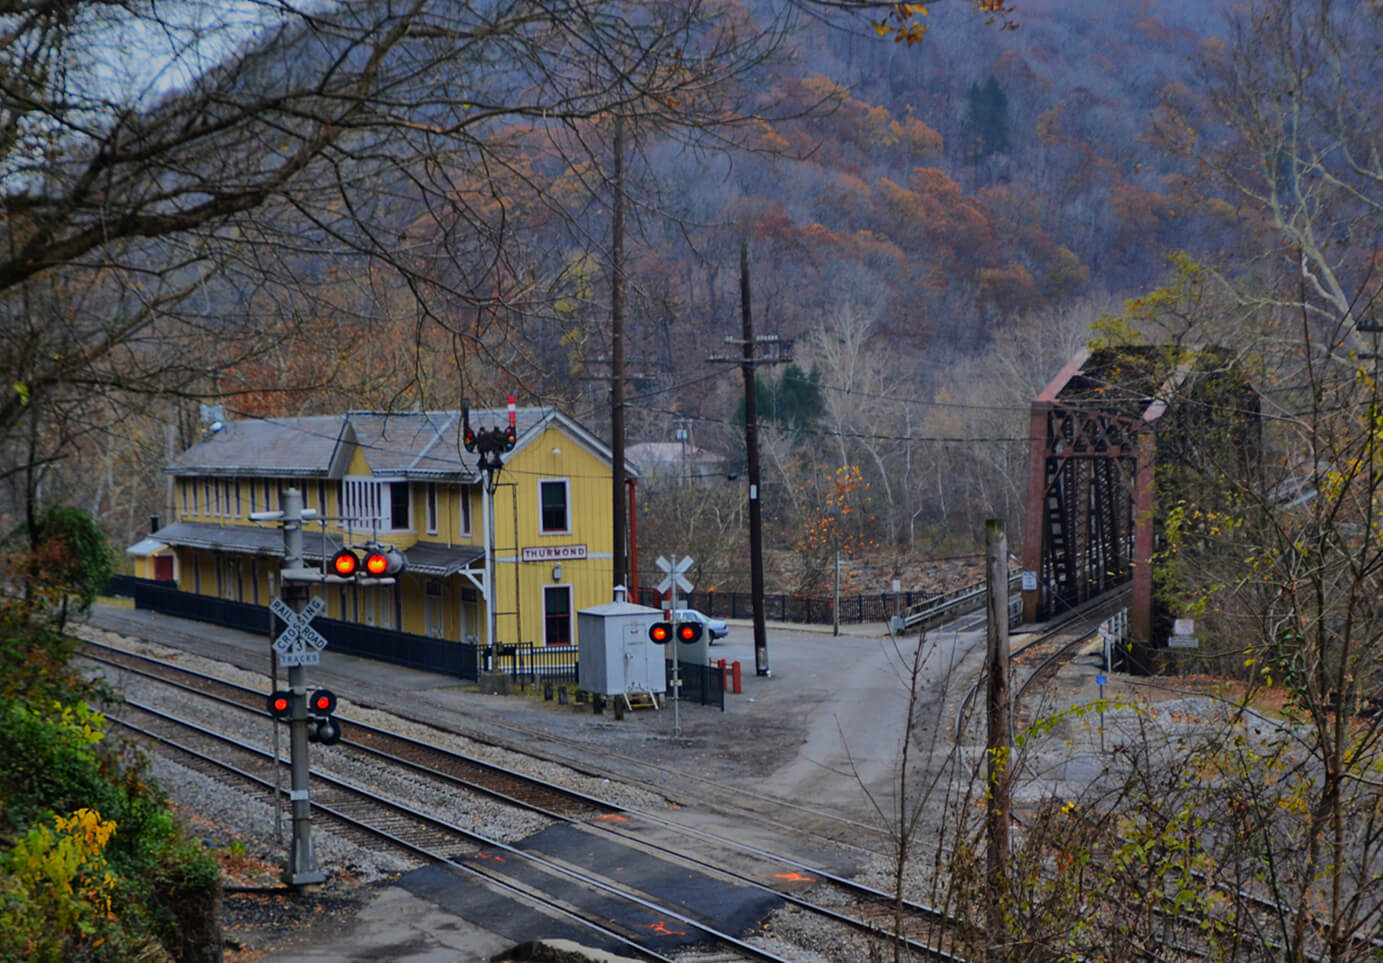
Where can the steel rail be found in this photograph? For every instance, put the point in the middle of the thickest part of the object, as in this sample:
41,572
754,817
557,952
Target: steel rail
855,889
547,865
414,848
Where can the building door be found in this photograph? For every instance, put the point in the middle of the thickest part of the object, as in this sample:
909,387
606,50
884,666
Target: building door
557,615
470,615
163,567
434,609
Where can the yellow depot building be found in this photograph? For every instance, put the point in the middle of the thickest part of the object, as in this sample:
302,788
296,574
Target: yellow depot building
403,480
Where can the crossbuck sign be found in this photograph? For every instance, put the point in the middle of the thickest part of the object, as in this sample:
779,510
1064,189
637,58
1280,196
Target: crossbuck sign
674,573
292,644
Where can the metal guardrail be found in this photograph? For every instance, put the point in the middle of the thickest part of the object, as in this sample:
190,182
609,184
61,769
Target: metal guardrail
951,605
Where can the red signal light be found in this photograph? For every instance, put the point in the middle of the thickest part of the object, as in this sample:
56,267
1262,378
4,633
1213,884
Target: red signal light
660,633
345,563
688,632
280,704
382,562
322,703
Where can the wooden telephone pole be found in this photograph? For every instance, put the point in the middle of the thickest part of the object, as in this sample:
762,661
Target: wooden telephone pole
999,744
776,351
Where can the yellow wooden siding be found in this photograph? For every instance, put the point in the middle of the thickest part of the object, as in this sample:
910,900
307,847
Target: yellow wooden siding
519,586
555,456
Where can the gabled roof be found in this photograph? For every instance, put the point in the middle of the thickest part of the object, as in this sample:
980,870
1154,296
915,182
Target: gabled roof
415,444
279,446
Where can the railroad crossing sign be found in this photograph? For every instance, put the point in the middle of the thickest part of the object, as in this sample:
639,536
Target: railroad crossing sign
292,644
674,573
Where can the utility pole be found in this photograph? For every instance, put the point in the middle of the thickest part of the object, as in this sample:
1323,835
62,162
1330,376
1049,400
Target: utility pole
777,352
620,530
1000,750
302,867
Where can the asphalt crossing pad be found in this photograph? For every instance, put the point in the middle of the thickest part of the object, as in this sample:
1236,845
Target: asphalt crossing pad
511,917
729,907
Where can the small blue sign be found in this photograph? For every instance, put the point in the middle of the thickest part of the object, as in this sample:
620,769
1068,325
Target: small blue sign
1101,679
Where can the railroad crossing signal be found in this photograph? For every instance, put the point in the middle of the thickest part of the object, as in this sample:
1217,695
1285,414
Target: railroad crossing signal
280,705
674,573
378,563
660,633
688,632
384,562
321,725
292,644
345,563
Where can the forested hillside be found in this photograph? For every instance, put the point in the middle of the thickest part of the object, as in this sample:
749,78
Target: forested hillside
934,224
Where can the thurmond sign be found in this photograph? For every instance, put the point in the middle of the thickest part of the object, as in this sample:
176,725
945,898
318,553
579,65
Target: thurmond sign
552,553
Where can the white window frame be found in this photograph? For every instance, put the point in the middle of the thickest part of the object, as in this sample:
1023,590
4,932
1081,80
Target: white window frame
393,525
431,499
361,501
571,613
466,509
566,501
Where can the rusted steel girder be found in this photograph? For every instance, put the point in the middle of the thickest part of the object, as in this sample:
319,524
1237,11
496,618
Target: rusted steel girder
1089,502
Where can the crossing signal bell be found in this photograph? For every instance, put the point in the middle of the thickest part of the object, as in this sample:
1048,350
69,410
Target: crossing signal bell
688,632
660,633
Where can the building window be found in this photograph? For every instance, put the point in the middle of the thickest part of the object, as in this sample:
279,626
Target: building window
552,497
206,495
557,615
268,504
254,496
183,486
192,487
465,509
322,498
216,487
236,485
432,508
399,504
360,501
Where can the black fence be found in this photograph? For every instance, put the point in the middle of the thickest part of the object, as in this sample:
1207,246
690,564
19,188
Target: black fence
459,659
704,684
527,663
532,664
793,608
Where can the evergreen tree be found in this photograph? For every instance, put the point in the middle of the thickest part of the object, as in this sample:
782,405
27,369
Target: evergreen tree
987,115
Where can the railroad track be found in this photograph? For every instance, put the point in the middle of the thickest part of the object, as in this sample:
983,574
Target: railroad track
857,909
775,814
1051,649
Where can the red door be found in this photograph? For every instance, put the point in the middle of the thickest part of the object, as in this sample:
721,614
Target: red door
163,567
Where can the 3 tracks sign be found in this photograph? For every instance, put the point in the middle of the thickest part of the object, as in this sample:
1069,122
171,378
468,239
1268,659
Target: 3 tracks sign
299,643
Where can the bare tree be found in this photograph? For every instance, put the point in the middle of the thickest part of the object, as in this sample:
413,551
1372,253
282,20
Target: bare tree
165,226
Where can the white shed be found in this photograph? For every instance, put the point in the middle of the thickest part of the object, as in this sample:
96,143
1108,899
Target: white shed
616,656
